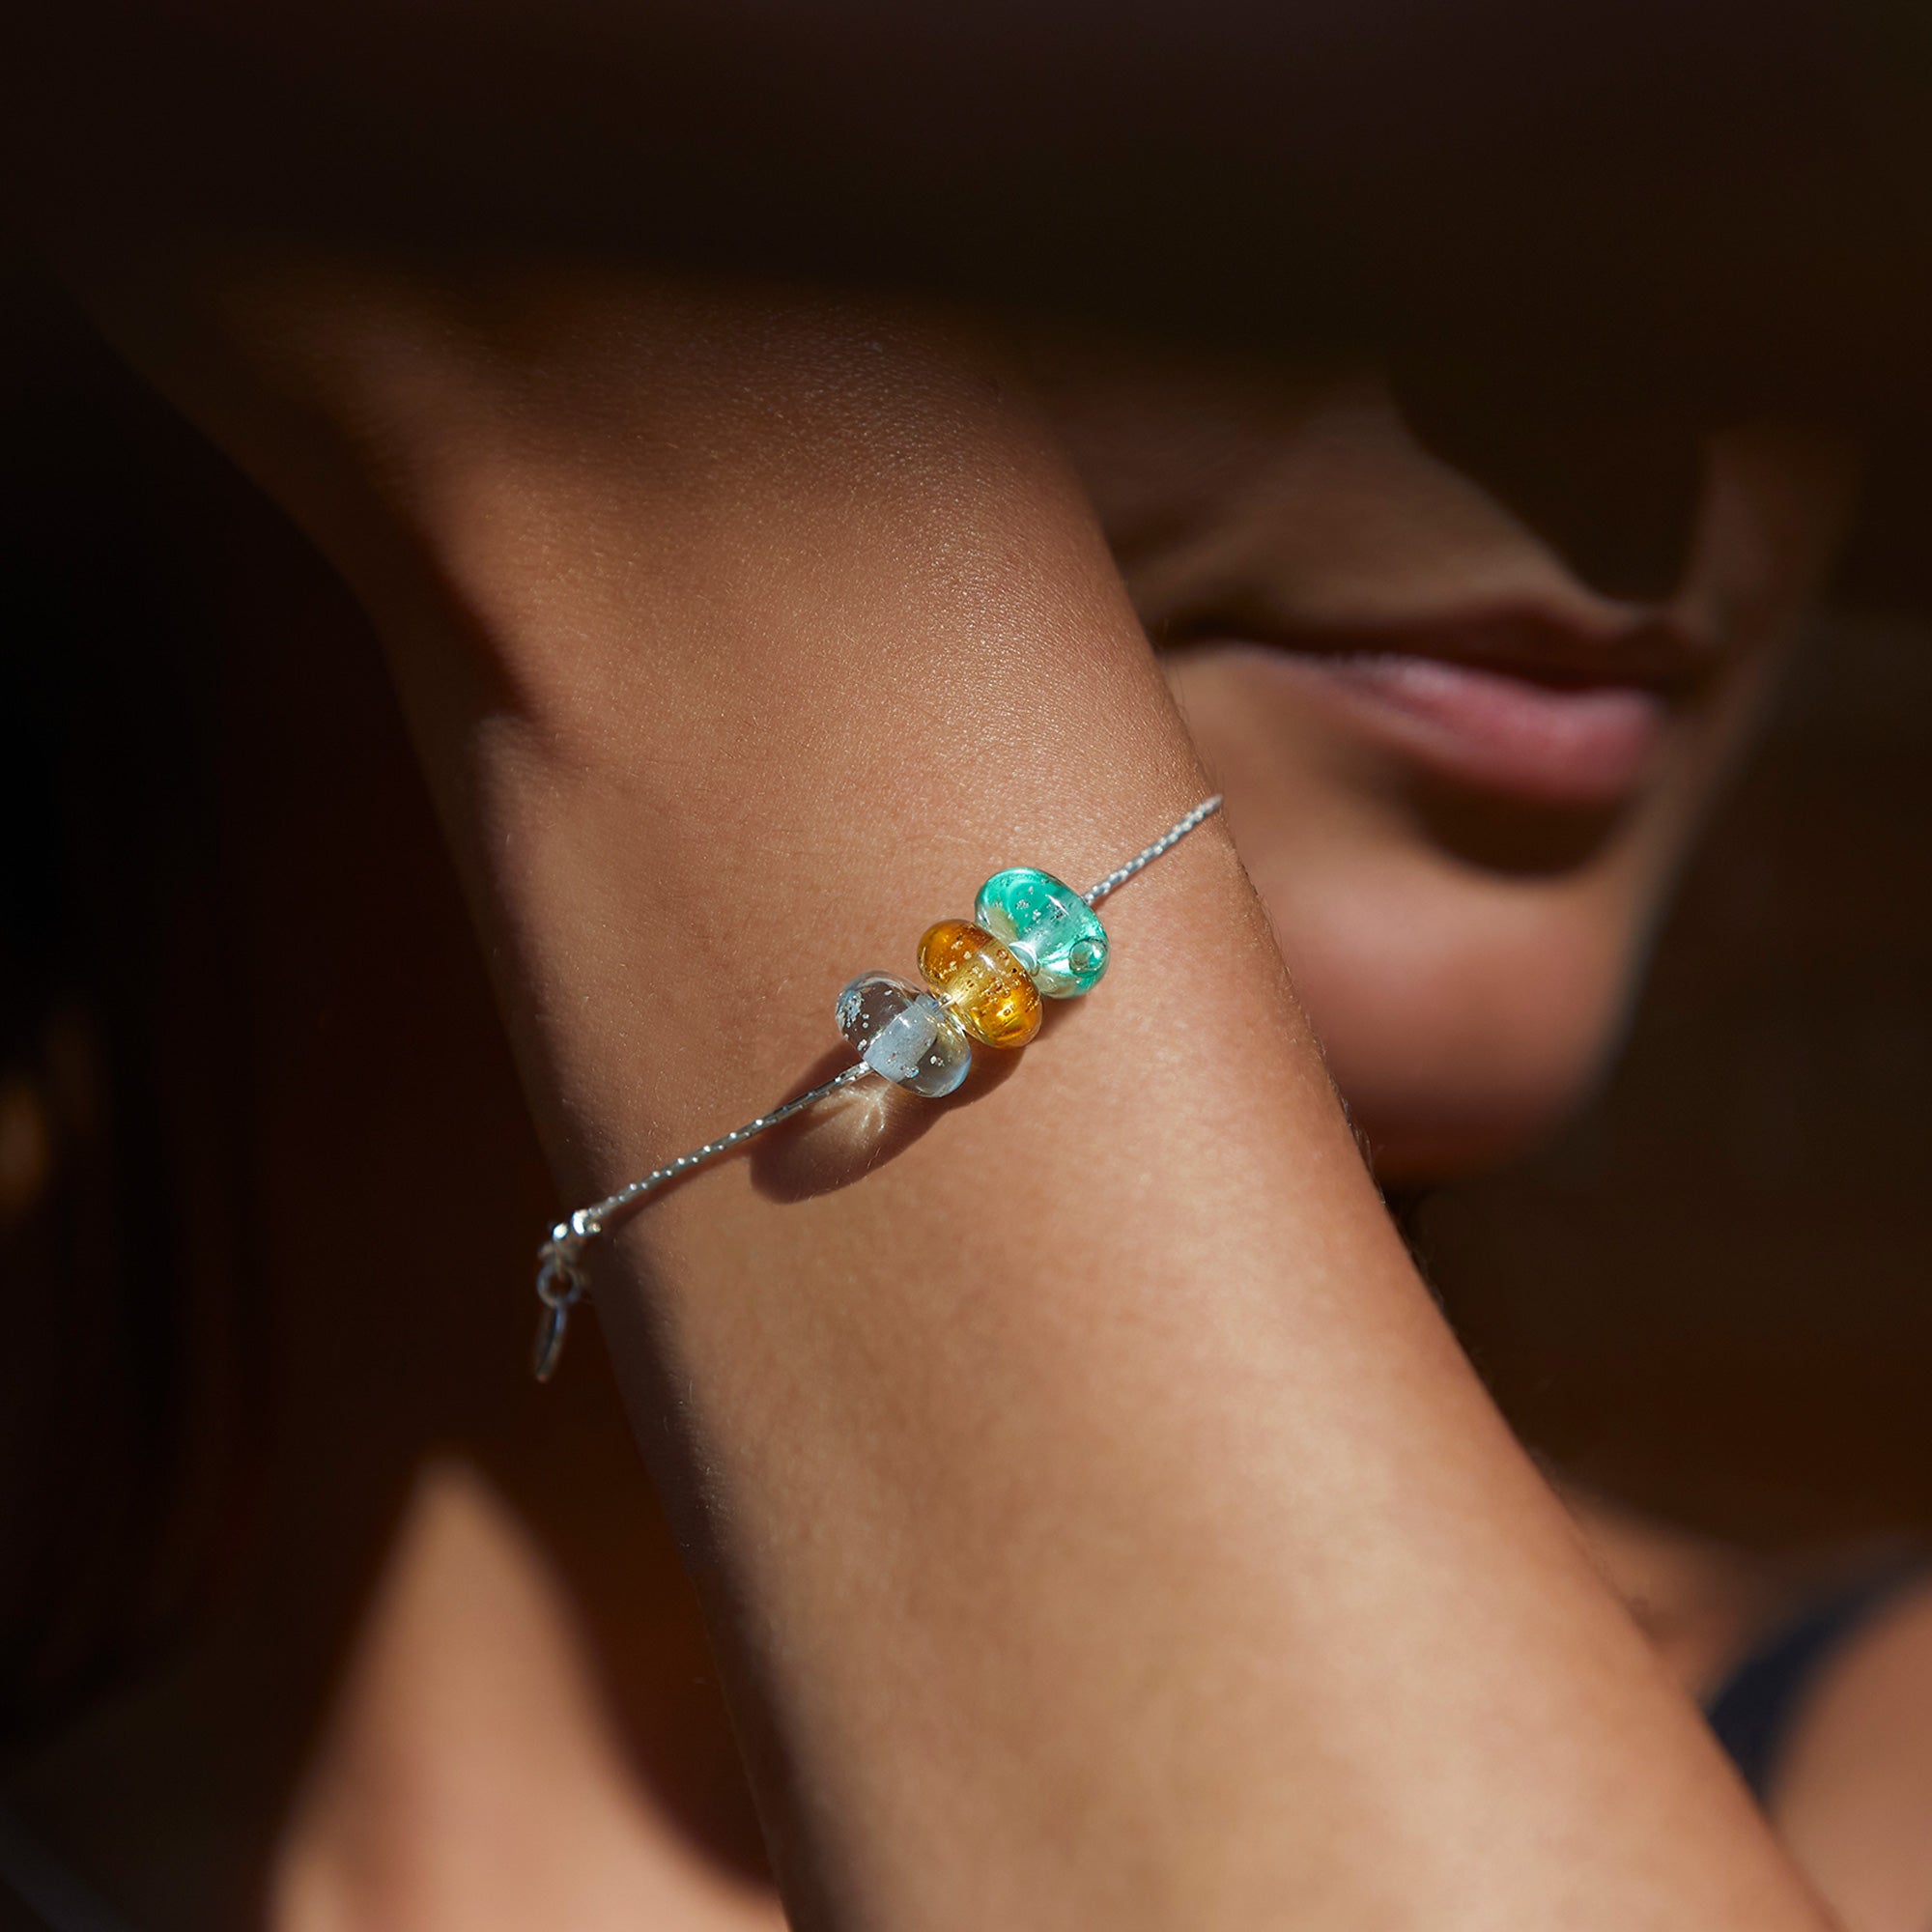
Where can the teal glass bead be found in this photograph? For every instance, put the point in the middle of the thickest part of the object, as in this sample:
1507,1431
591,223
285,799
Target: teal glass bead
904,1035
1053,932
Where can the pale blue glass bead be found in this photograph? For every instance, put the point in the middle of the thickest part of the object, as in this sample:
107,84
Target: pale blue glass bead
904,1035
1053,932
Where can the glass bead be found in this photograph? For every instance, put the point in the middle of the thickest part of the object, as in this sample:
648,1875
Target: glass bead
903,1034
987,989
1048,927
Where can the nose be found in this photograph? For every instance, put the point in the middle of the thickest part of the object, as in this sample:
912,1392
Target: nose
1608,480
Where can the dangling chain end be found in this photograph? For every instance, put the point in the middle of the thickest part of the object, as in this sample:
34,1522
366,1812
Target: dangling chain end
560,1286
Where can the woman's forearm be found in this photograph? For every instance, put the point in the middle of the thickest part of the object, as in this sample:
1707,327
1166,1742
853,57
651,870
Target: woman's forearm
1096,1519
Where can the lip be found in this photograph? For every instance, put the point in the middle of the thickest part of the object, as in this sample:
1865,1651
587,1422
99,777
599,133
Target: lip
1510,704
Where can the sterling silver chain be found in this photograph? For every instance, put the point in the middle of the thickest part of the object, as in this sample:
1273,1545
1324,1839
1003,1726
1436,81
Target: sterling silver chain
560,1276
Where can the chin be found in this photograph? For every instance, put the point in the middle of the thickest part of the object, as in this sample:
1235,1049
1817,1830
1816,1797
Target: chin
1420,1129
1418,1145
1453,1056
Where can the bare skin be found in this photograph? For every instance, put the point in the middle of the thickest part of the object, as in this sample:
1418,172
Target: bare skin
414,1814
1099,1377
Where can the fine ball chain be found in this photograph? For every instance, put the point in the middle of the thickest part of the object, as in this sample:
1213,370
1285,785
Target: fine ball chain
1031,936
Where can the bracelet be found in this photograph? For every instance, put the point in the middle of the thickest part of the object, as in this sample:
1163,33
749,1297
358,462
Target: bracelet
1029,936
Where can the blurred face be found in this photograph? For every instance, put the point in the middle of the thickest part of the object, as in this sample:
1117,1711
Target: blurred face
1468,698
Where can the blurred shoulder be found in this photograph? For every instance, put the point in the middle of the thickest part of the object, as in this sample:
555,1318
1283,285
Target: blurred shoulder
1853,1798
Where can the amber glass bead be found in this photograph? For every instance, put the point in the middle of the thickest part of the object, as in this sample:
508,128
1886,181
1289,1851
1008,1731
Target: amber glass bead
988,991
